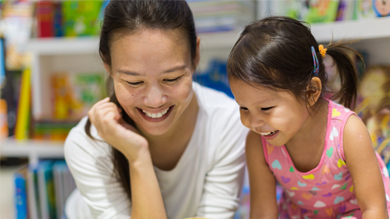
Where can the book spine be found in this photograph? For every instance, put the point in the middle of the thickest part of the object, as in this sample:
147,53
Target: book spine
33,198
45,18
20,196
22,119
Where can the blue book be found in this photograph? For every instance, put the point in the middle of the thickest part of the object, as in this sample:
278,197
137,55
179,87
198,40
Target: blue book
20,178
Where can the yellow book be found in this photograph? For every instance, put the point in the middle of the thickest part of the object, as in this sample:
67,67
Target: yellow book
23,114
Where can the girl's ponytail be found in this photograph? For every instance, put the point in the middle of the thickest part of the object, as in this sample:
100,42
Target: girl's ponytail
347,72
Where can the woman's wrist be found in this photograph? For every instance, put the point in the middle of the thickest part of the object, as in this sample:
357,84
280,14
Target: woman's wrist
139,160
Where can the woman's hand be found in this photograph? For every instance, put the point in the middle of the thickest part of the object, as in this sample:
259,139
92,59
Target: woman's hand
107,118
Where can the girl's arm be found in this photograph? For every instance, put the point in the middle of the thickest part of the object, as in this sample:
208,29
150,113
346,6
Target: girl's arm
145,190
262,181
363,165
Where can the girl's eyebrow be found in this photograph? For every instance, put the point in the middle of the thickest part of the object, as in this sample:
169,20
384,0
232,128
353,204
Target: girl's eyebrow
164,72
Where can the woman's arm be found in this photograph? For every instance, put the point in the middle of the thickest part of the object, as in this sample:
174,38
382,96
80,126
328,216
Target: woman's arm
262,181
363,165
145,191
223,181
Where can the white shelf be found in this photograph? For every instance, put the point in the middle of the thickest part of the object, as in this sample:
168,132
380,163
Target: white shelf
374,28
360,29
34,150
63,46
90,45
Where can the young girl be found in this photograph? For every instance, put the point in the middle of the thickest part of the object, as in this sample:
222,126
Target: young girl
317,150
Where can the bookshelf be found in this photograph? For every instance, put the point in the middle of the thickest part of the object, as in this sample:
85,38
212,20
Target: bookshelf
33,150
369,29
81,54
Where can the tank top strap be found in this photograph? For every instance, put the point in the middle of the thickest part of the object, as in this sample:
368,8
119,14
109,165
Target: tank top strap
339,117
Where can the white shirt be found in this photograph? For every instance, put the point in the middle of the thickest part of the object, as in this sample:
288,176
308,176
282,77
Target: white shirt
206,181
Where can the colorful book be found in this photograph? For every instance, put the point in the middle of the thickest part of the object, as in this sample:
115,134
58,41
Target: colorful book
46,190
322,11
45,18
20,182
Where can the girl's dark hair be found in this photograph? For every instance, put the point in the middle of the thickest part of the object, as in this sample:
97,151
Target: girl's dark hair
131,16
275,52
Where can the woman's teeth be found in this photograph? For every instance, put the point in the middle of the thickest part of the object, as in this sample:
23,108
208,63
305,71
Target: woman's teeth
154,115
268,133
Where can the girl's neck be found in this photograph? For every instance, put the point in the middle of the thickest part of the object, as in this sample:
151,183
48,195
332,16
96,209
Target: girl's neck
314,128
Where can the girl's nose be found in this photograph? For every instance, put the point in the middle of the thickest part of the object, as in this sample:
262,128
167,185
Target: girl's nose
256,122
155,97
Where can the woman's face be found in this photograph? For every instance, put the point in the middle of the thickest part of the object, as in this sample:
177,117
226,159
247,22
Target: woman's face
152,72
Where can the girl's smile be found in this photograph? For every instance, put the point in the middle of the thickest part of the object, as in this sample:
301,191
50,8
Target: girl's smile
276,115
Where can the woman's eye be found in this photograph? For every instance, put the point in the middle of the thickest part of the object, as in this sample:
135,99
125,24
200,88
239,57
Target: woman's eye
172,80
134,83
243,108
267,108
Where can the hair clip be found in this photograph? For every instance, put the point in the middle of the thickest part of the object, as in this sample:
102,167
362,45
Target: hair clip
322,50
316,68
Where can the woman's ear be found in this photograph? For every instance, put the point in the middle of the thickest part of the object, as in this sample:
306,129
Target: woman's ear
197,54
313,90
108,68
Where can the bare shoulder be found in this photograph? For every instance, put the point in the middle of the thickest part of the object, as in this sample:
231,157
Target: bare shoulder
355,130
254,146
356,139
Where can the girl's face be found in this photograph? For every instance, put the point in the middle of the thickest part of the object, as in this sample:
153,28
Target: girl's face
276,115
152,73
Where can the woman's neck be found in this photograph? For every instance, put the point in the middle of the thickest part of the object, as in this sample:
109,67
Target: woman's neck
166,149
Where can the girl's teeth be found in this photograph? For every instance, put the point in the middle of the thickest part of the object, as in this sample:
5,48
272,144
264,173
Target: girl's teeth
268,133
154,115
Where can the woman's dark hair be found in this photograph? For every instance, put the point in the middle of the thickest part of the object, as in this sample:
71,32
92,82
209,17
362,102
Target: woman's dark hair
275,52
131,16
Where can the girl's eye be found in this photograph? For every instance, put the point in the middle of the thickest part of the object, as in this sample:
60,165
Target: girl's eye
243,108
267,108
172,80
134,83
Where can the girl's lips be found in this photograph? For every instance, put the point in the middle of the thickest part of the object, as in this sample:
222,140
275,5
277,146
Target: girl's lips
150,119
272,136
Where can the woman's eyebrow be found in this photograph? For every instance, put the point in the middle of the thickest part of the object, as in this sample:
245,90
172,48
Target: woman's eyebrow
129,73
175,69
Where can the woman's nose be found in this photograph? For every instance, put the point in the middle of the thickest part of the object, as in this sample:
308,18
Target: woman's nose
155,97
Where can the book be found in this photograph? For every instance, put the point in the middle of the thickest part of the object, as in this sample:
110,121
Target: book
20,182
322,11
45,18
23,113
10,94
32,192
46,190
80,18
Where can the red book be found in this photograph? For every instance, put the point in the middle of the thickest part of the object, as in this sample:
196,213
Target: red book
45,18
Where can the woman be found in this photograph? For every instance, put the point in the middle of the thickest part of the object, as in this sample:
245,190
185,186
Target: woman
161,146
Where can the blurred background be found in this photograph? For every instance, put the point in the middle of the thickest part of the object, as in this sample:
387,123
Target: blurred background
51,74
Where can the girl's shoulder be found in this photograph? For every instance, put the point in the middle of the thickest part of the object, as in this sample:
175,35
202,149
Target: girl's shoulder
338,112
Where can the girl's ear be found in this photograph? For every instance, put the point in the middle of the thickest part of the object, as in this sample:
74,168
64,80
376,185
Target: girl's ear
313,90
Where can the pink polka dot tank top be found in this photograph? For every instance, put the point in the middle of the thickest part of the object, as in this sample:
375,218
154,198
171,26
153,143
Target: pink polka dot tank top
327,185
